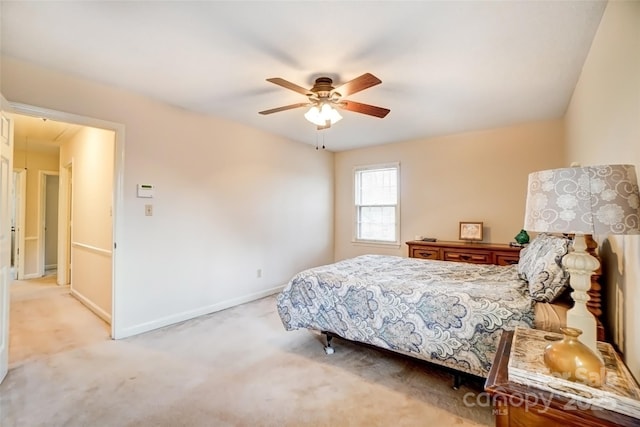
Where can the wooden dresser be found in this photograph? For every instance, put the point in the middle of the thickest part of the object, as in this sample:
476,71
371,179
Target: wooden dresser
478,253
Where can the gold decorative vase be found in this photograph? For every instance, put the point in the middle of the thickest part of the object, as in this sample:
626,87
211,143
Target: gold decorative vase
572,360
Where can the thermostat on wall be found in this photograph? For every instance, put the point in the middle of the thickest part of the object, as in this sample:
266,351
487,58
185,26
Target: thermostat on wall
145,190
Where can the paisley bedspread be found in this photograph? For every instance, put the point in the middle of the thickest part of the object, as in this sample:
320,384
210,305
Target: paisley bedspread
448,313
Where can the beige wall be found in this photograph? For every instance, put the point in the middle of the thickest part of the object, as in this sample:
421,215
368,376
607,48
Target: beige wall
229,200
91,155
35,162
476,176
603,126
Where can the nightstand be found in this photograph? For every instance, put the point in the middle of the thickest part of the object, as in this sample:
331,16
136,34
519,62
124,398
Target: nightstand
516,404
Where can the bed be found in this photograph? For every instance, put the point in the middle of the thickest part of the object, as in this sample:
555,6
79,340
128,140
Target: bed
448,313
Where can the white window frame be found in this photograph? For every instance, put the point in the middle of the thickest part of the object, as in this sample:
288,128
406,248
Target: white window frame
356,206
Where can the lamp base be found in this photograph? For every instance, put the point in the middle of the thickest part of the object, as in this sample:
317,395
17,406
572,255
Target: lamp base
581,265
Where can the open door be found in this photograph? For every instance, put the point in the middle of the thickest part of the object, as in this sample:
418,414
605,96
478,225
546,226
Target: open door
6,175
18,220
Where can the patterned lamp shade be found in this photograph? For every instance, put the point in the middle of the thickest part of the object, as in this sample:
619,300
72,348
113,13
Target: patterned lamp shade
584,200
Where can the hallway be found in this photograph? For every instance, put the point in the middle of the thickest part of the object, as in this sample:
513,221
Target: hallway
45,319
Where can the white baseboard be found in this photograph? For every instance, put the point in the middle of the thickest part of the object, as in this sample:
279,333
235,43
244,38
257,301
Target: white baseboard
91,306
191,314
31,276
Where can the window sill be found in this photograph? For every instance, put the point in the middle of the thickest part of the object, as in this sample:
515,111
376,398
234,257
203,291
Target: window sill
375,243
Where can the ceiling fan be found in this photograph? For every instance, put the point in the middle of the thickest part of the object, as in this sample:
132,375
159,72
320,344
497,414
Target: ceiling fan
322,97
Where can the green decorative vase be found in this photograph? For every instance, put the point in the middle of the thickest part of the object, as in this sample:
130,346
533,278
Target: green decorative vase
522,237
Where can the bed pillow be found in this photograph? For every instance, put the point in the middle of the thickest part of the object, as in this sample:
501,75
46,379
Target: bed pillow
540,265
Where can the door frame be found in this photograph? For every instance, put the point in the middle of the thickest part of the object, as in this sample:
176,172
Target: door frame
117,201
65,218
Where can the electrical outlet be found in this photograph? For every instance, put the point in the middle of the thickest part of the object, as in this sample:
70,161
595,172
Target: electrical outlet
259,273
148,210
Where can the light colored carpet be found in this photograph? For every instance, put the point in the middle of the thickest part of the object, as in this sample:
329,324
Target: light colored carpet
238,367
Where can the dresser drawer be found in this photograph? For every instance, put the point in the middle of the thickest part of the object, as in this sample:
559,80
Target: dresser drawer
425,253
478,257
506,258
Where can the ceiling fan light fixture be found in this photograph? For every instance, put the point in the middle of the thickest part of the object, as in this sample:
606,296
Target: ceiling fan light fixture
320,116
329,113
313,115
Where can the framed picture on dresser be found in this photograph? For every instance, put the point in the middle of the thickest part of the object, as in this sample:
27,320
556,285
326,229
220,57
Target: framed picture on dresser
470,231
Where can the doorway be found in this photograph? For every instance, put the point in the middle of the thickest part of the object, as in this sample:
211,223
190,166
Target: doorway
40,146
49,183
66,247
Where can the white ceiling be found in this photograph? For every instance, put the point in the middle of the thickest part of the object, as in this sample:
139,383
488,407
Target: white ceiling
446,66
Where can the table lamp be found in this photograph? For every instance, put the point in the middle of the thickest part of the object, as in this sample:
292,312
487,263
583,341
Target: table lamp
596,200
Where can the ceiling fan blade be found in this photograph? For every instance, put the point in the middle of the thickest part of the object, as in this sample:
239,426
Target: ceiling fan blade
357,107
288,85
363,82
286,107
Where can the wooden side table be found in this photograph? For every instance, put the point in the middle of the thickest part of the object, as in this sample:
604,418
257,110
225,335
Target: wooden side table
518,405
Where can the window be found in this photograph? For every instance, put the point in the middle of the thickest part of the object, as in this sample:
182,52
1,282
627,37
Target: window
376,204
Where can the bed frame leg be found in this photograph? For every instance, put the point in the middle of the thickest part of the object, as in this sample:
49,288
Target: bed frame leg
327,348
457,381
